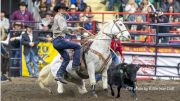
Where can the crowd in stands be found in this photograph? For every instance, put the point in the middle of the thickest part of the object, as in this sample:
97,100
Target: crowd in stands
39,14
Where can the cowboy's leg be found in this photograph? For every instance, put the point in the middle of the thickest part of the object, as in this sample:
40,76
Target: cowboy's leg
76,56
60,45
64,64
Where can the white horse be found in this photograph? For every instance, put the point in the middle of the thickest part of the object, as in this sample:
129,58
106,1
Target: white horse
98,59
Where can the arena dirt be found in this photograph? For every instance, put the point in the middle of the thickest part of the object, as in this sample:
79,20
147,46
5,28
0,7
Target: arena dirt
27,89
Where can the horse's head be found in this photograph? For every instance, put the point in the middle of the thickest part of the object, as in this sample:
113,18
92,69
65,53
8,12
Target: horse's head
118,29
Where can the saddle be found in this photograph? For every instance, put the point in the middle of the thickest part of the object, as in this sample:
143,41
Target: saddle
84,49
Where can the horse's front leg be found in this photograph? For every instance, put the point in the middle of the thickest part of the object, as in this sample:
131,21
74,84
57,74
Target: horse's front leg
104,80
60,89
82,88
91,72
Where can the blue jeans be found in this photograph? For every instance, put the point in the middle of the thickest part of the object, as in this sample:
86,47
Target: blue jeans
32,57
61,45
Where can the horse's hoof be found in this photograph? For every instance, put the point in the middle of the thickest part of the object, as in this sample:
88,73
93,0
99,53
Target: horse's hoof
136,99
95,95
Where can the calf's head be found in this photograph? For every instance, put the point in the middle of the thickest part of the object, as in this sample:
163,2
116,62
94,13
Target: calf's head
131,71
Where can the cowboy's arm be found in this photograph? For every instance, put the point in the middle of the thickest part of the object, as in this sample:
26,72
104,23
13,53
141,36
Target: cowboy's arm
63,28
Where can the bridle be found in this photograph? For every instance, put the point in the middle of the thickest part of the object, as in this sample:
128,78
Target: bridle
120,31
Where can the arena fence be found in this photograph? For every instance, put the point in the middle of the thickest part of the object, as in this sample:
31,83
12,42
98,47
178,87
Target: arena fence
157,59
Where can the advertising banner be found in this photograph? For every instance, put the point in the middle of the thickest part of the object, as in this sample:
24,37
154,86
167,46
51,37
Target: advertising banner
46,53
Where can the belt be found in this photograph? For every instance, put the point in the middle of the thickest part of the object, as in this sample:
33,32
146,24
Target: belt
61,37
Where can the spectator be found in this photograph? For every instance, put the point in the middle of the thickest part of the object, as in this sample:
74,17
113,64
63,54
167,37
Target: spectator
165,6
46,35
91,24
171,17
47,20
81,5
144,6
73,16
123,3
138,19
138,27
151,13
131,7
43,10
14,42
30,41
4,25
4,22
161,18
53,4
22,14
37,3
87,12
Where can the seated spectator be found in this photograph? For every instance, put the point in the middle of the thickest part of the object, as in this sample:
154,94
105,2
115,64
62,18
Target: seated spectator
138,19
91,24
47,20
171,17
4,22
73,16
150,18
37,3
138,27
22,14
4,25
81,5
88,10
84,16
30,42
144,6
165,5
52,4
131,7
43,10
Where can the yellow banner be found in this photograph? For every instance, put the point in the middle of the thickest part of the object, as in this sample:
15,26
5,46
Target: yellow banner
46,51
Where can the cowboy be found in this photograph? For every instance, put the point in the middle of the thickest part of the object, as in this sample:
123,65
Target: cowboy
59,29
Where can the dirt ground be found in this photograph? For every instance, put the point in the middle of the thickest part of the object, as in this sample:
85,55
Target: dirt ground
27,89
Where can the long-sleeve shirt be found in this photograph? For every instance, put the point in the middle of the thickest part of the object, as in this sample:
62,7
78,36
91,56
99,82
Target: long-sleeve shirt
4,23
26,16
60,27
116,46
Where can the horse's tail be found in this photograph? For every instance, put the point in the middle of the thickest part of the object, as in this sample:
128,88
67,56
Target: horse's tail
44,77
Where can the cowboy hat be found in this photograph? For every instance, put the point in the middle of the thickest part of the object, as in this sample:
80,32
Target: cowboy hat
61,6
73,6
17,23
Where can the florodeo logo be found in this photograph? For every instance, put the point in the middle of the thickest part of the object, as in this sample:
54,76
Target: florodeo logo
43,52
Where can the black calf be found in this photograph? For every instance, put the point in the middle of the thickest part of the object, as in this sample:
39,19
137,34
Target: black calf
123,75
